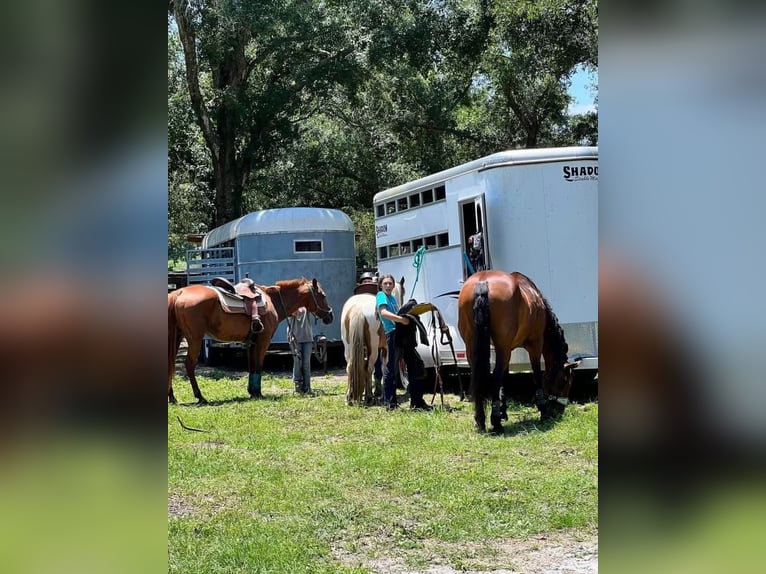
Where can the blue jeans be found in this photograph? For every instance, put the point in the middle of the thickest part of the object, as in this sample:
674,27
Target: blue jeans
392,368
302,367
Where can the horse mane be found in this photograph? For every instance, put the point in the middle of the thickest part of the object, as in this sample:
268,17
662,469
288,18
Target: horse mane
286,283
554,339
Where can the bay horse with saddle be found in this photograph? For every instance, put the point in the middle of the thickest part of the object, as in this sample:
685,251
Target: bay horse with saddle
245,312
509,311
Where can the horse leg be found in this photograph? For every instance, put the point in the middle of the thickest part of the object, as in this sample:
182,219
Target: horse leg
255,366
498,395
382,357
537,376
190,362
479,416
174,343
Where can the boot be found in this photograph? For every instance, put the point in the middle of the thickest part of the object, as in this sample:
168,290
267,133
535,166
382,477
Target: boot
256,326
254,386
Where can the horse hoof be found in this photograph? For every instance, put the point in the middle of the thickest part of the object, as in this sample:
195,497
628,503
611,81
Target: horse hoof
201,401
256,396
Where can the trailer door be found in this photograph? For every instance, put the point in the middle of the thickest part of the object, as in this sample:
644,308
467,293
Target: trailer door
475,235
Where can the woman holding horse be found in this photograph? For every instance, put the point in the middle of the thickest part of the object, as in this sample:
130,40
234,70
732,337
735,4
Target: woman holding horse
387,308
508,310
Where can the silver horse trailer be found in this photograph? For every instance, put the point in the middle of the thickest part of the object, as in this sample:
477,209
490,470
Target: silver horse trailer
278,244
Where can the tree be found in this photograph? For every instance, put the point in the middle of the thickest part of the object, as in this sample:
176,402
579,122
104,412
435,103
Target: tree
535,47
253,69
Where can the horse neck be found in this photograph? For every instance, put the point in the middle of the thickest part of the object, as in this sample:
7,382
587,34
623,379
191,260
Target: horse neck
291,298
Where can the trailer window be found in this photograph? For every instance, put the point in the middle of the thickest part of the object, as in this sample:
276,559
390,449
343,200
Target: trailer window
440,193
383,252
404,248
415,200
417,243
428,196
390,207
312,246
402,204
393,250
442,240
430,241
380,210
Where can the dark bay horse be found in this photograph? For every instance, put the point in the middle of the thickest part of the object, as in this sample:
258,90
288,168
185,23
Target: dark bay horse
509,310
194,311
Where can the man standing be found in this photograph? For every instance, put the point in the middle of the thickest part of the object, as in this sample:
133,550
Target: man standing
301,339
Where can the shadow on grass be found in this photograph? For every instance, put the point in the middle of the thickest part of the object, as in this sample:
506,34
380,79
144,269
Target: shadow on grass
233,400
526,426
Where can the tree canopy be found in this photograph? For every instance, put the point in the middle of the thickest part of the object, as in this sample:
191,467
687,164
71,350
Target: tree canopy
280,103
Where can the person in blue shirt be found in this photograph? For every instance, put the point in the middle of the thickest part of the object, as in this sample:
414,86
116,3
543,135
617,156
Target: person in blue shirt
387,307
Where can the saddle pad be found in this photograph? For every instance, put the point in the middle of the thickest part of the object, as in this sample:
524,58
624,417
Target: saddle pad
232,303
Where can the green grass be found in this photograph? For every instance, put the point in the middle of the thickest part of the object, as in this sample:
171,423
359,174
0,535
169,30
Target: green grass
307,484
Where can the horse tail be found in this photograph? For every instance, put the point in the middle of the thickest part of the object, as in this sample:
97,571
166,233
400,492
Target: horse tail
357,372
174,338
480,355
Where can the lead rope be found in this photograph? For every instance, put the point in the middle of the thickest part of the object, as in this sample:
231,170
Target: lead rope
435,357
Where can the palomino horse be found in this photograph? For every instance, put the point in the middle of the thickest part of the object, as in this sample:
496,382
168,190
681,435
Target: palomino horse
194,311
363,336
509,310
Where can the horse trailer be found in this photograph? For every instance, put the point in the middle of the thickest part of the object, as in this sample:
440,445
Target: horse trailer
536,211
279,244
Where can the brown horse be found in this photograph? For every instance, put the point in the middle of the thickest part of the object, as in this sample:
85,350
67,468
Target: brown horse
509,310
194,311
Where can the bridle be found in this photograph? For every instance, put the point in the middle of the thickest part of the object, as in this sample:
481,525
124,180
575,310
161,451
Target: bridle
320,312
555,398
324,312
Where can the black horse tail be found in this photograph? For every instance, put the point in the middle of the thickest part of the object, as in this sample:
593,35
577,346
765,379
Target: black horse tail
480,355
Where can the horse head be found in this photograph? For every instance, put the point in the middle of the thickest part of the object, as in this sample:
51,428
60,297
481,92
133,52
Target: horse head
398,291
558,383
321,307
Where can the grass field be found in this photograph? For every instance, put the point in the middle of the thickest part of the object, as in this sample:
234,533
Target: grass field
294,484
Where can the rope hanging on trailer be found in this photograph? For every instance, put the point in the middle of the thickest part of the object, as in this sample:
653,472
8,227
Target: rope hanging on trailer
417,263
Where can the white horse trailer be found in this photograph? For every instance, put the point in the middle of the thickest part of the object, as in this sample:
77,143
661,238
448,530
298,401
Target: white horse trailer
537,210
277,244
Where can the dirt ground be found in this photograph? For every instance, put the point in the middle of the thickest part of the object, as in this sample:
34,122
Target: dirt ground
557,553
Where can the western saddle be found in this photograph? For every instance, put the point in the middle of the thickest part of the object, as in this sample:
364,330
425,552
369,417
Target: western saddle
244,297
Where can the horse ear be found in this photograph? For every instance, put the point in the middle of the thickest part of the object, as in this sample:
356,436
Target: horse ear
314,282
401,281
